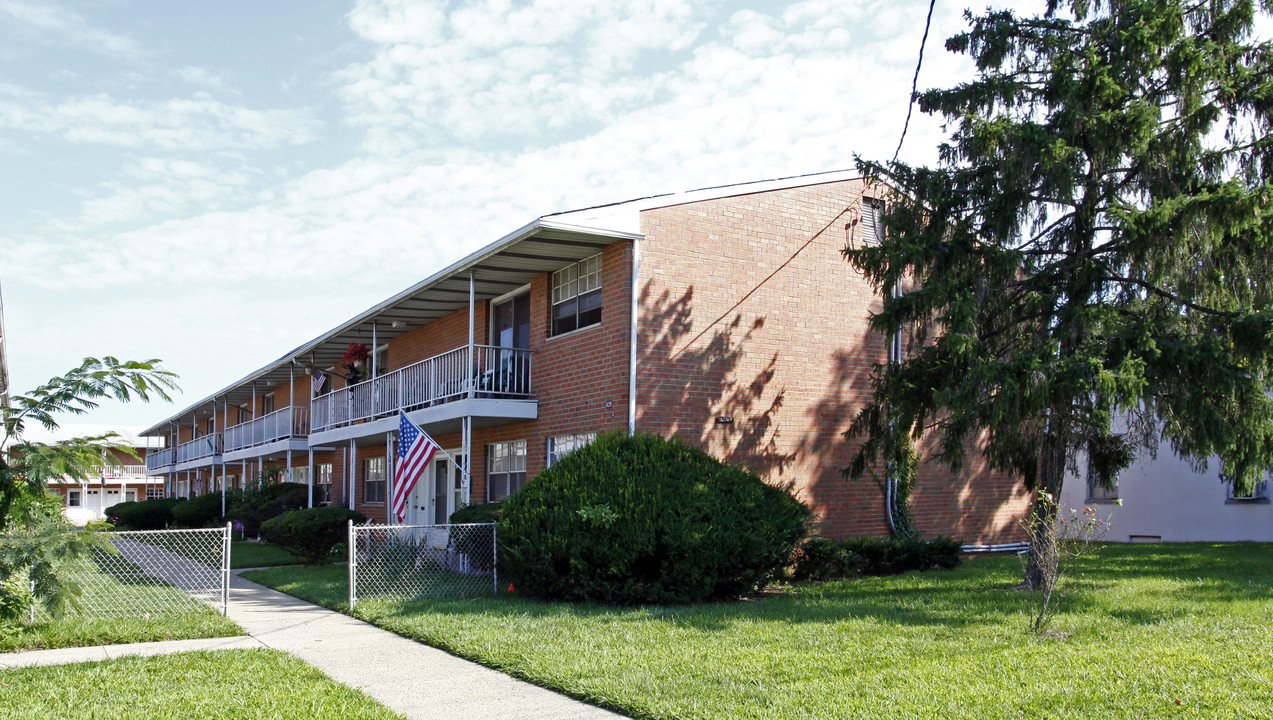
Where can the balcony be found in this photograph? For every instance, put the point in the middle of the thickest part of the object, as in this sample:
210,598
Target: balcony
199,452
121,472
159,460
285,424
496,373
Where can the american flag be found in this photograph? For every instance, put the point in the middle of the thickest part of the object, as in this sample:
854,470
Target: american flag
415,450
316,382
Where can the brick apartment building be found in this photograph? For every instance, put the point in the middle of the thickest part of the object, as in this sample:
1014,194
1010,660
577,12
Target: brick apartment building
726,316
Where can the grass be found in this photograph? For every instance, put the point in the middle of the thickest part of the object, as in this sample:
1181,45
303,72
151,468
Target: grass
245,554
219,684
84,632
1146,631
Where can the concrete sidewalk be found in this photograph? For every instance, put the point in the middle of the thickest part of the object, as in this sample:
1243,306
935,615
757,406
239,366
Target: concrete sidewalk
408,677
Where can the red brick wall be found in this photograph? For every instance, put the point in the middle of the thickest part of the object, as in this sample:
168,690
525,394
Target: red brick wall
748,310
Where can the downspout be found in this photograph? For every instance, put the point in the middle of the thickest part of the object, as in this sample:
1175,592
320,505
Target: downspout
632,338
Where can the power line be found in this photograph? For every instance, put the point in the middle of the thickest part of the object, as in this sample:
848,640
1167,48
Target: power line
915,81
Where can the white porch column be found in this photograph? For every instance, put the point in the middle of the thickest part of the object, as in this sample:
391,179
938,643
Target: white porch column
353,472
310,475
472,359
466,462
389,480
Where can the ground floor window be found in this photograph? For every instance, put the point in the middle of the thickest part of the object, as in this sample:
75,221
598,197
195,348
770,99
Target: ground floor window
154,492
373,481
130,496
560,446
323,484
1259,492
73,498
300,475
506,474
1096,493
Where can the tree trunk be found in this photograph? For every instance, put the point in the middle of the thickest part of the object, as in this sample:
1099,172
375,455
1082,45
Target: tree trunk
1043,521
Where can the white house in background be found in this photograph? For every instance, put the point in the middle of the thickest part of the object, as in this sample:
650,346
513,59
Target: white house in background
1162,499
114,482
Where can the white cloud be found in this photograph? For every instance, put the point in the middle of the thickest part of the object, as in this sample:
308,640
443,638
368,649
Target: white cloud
198,122
66,26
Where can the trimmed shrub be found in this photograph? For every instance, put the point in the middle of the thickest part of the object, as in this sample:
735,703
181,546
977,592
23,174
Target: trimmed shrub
98,525
256,505
643,519
153,514
824,559
311,533
199,511
478,513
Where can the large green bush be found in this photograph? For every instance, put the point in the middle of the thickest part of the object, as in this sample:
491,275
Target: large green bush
825,559
644,519
259,503
198,512
153,514
311,533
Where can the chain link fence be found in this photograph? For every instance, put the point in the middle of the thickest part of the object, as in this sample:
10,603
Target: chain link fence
413,561
150,573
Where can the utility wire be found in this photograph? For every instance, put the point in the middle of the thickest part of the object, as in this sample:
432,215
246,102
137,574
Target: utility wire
915,81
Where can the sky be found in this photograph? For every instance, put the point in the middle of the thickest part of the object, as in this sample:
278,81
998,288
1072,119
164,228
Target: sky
213,184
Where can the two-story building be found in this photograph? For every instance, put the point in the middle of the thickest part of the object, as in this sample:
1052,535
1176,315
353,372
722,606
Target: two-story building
726,316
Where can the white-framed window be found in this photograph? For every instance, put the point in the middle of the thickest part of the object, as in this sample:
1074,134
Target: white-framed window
300,475
154,492
130,496
576,296
506,469
872,221
74,498
1098,494
373,481
561,445
1259,493
323,484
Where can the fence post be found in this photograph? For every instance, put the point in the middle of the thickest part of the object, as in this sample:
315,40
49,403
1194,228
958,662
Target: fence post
353,566
495,555
225,569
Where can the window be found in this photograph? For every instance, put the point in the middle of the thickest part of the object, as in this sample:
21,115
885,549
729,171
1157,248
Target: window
373,481
301,475
154,492
577,296
1259,493
872,221
507,474
1098,494
562,445
130,496
323,484
73,498
267,404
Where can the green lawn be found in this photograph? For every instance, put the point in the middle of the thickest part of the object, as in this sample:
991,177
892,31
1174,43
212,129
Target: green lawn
245,554
221,684
1149,631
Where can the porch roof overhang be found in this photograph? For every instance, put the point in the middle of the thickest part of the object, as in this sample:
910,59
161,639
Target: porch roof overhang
512,261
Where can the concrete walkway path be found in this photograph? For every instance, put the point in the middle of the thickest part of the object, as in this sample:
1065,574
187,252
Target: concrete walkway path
406,676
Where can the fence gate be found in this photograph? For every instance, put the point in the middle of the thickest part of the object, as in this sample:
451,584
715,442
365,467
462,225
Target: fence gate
152,572
412,561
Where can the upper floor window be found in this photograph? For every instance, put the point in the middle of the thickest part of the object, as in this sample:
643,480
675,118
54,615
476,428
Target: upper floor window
872,221
577,295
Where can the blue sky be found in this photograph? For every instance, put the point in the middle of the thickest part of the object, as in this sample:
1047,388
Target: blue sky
215,183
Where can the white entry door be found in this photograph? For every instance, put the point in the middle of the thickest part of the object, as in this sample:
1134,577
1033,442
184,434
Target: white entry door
437,494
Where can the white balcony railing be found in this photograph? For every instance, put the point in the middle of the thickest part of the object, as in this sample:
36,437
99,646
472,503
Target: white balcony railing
495,372
120,472
159,458
290,422
199,448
